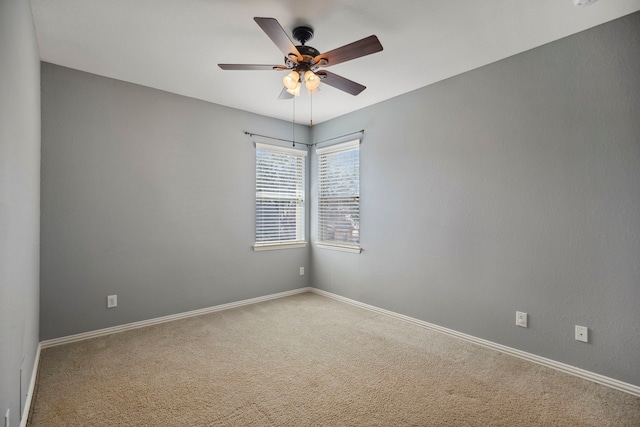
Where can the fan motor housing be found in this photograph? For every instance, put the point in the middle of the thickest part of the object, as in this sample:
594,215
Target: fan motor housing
308,51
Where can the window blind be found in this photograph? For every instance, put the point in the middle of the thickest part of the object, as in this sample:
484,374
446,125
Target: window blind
280,195
339,195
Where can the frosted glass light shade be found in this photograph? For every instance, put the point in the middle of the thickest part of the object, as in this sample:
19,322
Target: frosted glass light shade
296,90
312,81
291,80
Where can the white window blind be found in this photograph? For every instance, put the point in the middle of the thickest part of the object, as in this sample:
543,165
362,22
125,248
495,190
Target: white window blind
339,196
280,197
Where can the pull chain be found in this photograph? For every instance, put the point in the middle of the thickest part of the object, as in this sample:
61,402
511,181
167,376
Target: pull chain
293,127
311,109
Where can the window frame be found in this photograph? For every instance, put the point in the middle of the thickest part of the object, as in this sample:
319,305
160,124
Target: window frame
300,195
322,203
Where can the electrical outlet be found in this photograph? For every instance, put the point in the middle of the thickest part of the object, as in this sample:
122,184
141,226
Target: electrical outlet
582,333
112,301
521,319
302,271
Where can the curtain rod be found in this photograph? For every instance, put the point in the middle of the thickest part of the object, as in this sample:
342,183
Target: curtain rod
277,139
341,136
302,143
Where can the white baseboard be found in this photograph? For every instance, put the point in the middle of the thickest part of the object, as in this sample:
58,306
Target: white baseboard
135,325
578,372
30,391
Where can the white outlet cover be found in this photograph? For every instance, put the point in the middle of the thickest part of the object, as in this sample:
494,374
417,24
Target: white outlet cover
521,319
582,333
302,271
112,301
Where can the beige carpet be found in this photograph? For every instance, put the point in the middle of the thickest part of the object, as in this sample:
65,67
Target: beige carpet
308,360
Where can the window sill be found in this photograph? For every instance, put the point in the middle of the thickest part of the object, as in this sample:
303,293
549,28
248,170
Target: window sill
343,248
275,246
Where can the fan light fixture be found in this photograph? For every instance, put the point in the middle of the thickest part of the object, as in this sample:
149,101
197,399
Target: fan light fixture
293,82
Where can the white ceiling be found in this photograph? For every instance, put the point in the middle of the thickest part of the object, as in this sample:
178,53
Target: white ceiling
175,45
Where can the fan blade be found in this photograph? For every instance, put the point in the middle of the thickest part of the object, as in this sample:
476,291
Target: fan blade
341,83
284,94
354,50
276,33
251,67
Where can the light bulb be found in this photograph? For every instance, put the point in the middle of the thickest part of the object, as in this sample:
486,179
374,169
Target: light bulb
291,80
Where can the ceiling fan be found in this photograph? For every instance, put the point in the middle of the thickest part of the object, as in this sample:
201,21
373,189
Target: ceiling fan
304,62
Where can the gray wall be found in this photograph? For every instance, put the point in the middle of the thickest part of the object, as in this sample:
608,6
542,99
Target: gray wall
515,186
150,196
19,203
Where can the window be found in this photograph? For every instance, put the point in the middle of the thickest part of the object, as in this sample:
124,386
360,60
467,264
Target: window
280,197
339,196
